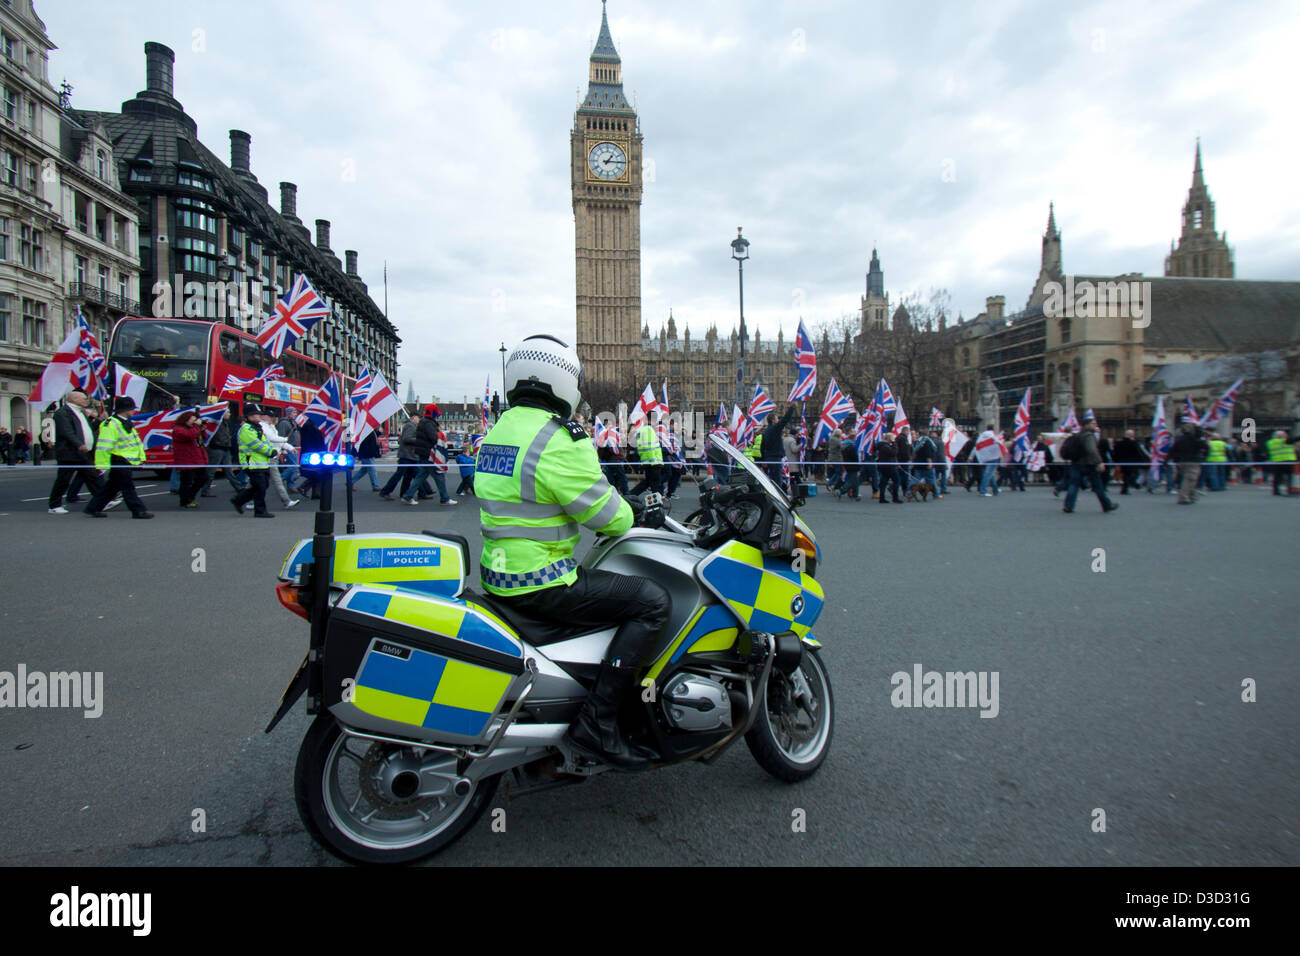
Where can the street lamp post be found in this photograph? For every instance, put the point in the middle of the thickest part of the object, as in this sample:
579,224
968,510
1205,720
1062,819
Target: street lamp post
740,252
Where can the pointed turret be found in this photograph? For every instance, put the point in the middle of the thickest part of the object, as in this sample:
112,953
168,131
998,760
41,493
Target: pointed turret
1198,176
1051,220
1201,252
605,79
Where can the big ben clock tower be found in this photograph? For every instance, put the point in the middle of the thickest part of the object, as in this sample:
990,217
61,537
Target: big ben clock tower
606,173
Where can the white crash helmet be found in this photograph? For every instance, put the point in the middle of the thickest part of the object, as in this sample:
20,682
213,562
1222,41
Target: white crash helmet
544,367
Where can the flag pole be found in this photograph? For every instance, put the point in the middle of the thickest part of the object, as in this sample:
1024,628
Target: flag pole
370,360
345,399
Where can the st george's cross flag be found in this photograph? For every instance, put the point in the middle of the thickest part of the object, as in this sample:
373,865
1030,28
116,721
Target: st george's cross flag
954,440
129,385
900,419
59,376
373,403
805,367
297,311
644,406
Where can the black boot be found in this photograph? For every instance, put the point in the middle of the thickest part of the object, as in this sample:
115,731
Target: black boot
595,731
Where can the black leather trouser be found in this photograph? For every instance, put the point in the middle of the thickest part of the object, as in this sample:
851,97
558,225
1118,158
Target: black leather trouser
600,598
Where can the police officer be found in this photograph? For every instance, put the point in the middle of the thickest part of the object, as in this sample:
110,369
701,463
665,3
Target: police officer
537,480
1281,456
117,448
255,454
651,455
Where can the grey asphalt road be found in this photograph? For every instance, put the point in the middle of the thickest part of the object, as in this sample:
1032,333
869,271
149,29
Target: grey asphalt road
1119,691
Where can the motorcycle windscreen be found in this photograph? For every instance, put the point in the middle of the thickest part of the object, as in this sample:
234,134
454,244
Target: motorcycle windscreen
764,591
418,665
417,562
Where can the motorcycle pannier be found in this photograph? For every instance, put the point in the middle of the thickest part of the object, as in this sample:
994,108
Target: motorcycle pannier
417,665
430,564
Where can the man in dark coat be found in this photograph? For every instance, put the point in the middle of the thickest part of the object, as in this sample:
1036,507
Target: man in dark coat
1131,459
887,466
74,438
1189,450
771,448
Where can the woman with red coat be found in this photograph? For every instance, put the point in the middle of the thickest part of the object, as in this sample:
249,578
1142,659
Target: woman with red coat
188,451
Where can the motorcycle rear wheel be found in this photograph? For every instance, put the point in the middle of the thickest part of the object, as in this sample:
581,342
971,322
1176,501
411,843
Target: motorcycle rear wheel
345,788
790,739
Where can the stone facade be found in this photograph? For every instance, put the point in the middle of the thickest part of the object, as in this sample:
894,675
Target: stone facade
606,163
67,232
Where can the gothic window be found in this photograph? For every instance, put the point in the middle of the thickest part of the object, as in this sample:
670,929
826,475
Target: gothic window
1064,372
1110,369
1196,218
1065,331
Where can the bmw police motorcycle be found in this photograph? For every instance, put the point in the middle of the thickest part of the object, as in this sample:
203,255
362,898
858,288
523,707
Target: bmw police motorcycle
428,696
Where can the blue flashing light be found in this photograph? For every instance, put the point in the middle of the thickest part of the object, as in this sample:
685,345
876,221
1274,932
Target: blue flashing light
328,460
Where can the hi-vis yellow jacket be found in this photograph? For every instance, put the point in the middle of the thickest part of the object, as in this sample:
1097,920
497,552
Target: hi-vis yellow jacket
537,479
117,439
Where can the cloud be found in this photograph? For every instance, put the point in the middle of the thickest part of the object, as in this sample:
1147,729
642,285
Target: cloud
938,133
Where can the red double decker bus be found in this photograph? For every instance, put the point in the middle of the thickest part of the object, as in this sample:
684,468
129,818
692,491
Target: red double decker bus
191,358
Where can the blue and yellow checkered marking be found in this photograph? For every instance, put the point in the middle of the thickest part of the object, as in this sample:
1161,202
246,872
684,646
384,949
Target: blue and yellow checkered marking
429,690
449,617
762,590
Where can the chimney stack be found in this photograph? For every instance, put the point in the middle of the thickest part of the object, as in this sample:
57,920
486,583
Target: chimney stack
239,150
159,61
351,256
323,234
289,201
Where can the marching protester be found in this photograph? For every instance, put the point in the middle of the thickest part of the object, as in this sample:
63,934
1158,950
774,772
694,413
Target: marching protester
255,454
281,445
426,442
834,461
924,454
987,454
1086,469
1188,452
288,429
887,467
612,466
6,446
466,462
651,456
1132,458
367,454
406,462
221,454
74,437
189,455
312,440
117,448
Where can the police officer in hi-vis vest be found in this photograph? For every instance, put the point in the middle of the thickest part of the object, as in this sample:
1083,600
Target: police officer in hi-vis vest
255,454
537,479
117,448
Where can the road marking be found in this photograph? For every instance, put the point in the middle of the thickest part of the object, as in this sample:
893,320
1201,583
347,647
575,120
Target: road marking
152,494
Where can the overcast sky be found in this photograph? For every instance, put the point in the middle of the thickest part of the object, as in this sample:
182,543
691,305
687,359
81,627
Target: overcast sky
435,135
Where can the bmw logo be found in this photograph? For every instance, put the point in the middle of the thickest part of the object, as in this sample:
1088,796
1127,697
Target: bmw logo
796,606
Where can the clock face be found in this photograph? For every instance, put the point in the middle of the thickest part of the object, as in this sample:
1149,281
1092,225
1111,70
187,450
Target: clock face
607,161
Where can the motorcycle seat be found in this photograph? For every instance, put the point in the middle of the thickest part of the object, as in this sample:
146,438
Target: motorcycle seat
535,630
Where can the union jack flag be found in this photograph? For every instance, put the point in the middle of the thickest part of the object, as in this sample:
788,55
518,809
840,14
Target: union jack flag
806,364
1161,440
373,403
1071,423
1189,412
155,428
760,406
326,412
936,417
1223,407
1020,436
871,424
91,368
477,442
487,404
720,426
741,432
606,437
834,410
297,311
887,403
234,384
785,473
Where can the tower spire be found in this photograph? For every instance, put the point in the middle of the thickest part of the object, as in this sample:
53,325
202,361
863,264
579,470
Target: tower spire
1051,219
1198,177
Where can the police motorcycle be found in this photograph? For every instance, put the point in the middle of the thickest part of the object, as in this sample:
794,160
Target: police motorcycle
429,696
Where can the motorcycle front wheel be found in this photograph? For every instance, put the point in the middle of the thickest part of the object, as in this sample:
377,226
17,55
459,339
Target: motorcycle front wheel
371,802
792,732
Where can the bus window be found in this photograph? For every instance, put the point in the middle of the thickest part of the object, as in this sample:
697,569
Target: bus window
161,339
230,348
251,353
